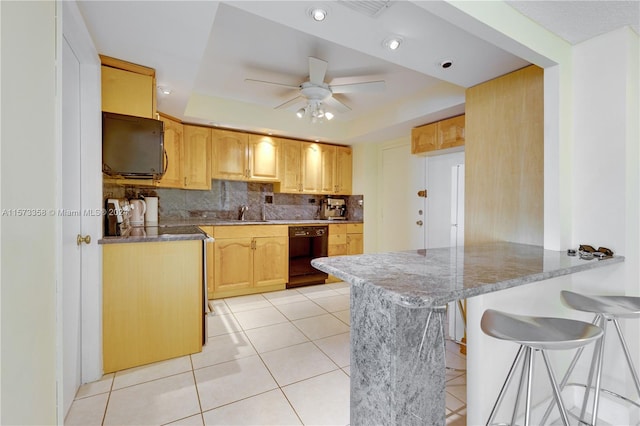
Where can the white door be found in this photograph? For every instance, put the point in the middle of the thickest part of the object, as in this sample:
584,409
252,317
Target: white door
71,228
402,224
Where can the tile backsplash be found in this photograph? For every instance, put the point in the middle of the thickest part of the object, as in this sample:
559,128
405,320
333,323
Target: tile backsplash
226,197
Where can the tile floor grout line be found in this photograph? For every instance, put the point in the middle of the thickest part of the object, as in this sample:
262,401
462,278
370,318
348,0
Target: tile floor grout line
195,384
106,406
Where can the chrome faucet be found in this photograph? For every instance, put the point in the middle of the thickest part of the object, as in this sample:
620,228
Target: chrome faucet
243,209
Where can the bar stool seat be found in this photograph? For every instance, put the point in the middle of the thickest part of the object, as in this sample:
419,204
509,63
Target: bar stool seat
541,334
606,309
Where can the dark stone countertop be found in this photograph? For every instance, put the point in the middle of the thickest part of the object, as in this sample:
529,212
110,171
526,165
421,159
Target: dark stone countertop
146,234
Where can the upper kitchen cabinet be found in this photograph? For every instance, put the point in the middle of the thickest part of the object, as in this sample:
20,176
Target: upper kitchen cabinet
290,166
241,156
264,156
229,154
343,171
311,171
197,157
433,138
128,88
173,136
188,155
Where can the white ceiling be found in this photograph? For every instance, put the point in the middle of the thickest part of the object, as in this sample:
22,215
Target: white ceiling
204,51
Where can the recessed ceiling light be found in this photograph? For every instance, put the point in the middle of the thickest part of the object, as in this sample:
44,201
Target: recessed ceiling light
446,63
164,90
392,43
318,14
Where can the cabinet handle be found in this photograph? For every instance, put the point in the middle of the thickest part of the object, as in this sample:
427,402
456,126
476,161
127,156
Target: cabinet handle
185,181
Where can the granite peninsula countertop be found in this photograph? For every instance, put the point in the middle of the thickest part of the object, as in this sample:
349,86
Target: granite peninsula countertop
434,277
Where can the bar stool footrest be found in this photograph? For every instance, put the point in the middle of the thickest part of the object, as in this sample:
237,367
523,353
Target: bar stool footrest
607,391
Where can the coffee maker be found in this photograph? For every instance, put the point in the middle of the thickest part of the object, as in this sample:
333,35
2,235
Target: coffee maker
333,209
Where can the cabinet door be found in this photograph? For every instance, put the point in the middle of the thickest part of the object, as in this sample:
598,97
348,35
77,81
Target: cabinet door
210,261
264,156
197,157
451,132
344,170
126,92
229,154
270,261
291,166
233,260
424,138
328,168
173,136
355,243
311,168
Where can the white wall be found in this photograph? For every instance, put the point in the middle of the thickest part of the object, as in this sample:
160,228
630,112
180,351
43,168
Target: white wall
28,243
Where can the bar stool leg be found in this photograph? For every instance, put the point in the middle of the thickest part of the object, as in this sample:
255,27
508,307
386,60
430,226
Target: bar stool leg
505,385
527,403
556,391
597,360
634,373
525,369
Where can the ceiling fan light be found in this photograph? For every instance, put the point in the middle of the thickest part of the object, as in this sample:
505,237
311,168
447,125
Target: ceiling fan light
300,113
318,14
328,115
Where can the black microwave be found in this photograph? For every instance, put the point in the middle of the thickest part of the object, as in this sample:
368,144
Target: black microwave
132,146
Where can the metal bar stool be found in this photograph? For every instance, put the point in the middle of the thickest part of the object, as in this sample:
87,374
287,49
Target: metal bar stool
606,309
540,334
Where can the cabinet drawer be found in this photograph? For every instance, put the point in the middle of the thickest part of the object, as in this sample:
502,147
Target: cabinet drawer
355,228
337,239
337,249
244,231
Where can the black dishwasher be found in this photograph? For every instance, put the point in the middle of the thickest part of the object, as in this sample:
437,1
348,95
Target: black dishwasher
306,243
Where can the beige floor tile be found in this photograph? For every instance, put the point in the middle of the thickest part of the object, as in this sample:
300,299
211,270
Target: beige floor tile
87,411
299,310
223,348
276,336
189,421
333,303
94,388
146,373
285,296
295,363
157,402
222,324
269,408
344,316
315,291
336,347
219,307
458,387
259,317
231,381
321,400
321,326
247,303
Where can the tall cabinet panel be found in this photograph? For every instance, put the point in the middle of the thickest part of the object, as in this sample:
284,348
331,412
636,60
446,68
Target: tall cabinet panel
344,170
328,168
291,166
173,135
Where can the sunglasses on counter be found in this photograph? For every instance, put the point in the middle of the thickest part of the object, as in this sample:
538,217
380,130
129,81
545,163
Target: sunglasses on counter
587,251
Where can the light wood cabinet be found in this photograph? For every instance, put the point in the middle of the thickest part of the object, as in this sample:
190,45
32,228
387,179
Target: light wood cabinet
355,238
291,167
173,137
250,259
328,169
242,156
311,163
344,170
229,154
263,158
196,164
188,156
127,88
434,137
152,302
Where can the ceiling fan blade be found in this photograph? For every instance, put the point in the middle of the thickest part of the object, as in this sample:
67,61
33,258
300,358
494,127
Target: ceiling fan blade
290,86
291,102
336,105
367,86
317,70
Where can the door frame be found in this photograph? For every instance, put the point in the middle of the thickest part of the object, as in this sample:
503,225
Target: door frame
74,31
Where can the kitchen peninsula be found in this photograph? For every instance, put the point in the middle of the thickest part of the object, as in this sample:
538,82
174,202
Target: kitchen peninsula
397,309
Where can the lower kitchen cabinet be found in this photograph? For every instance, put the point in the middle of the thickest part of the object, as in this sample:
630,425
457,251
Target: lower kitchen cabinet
249,259
152,302
344,239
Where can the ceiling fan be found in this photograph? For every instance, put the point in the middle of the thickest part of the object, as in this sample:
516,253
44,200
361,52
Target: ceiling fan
314,94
